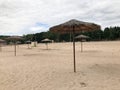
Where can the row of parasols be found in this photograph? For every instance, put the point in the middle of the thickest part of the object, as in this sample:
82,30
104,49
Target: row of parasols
74,26
16,39
46,41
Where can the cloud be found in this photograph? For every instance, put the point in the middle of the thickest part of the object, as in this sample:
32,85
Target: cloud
18,17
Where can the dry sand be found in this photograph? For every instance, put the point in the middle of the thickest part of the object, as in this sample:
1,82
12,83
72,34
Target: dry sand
98,67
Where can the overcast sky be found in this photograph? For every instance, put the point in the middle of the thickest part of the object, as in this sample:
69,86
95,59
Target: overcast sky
18,17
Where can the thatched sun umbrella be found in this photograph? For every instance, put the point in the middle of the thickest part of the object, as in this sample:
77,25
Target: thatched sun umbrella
81,37
46,41
14,39
28,42
1,42
74,26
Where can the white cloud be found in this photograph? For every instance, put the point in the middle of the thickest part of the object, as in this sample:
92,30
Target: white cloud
37,29
20,16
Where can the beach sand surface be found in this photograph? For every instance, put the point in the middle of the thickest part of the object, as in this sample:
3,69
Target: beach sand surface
98,67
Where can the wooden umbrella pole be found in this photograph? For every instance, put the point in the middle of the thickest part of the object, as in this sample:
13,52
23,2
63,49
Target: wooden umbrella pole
81,46
47,46
0,47
70,36
28,45
15,48
74,49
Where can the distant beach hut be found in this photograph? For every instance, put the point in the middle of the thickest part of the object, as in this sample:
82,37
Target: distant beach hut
46,41
74,26
2,42
82,38
14,39
28,42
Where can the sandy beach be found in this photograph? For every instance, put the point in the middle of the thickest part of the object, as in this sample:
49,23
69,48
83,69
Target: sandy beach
98,67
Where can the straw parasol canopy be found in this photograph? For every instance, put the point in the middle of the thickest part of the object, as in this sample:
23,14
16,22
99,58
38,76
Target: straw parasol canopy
79,26
14,39
28,42
81,37
74,26
46,41
18,42
1,41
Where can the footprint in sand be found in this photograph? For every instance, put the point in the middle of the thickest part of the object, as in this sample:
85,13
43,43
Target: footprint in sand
83,84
